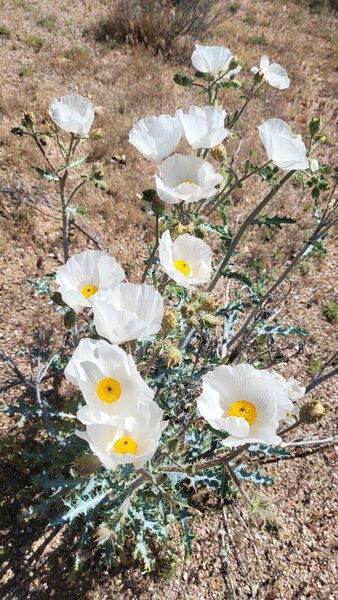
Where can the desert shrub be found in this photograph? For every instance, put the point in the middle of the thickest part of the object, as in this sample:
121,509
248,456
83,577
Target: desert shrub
157,23
175,378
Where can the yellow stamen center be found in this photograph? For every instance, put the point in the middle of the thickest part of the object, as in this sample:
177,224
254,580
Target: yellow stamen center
108,390
245,409
125,445
187,181
183,266
89,290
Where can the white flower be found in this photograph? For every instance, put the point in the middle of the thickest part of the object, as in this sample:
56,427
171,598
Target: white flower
245,402
283,147
84,275
130,440
274,74
186,178
214,60
73,113
204,126
187,260
108,379
128,312
156,137
294,391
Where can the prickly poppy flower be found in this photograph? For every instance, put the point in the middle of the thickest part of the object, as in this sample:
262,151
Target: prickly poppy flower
73,113
244,402
128,312
187,260
86,273
286,149
203,126
213,59
108,379
156,137
186,178
273,73
129,440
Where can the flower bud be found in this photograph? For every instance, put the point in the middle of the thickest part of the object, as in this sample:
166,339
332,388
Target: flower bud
210,303
157,206
28,118
97,134
169,322
311,412
172,355
87,464
17,131
233,64
219,153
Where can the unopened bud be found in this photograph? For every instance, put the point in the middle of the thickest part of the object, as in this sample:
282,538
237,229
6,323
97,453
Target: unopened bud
311,412
233,64
211,304
97,172
169,322
157,206
28,119
87,464
97,134
17,131
172,355
219,153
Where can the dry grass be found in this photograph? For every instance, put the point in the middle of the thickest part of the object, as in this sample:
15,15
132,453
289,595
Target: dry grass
157,24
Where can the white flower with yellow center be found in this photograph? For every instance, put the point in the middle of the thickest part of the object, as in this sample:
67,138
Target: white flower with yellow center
244,402
73,113
156,137
108,379
128,312
204,126
84,275
130,440
273,73
213,59
186,178
187,260
286,149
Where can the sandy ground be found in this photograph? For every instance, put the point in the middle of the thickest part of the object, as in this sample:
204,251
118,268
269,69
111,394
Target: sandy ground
290,555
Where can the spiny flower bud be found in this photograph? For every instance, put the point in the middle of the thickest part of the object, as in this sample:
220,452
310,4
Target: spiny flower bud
219,153
210,303
233,64
97,134
87,464
169,322
179,229
97,172
28,118
311,412
157,206
17,131
172,355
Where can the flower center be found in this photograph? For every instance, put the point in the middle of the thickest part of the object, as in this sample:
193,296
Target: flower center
187,181
108,390
183,266
245,409
125,445
89,290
